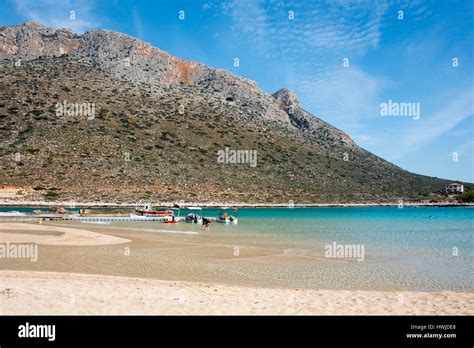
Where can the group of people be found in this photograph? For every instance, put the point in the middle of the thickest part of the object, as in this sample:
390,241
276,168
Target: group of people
194,218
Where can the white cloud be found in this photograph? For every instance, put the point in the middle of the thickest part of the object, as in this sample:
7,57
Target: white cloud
56,14
460,108
430,127
461,132
137,23
319,28
310,48
251,19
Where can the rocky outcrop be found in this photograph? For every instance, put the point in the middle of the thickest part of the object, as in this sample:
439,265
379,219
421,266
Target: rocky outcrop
31,40
300,118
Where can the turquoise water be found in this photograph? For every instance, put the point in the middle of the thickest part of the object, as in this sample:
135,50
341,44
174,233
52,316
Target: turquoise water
417,248
425,248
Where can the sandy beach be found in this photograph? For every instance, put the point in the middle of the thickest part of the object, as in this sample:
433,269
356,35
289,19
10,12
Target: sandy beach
53,235
67,293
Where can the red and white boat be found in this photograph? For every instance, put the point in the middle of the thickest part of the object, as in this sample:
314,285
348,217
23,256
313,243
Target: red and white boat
147,210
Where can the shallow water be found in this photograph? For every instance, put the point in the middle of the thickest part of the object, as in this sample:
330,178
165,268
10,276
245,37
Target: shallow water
413,248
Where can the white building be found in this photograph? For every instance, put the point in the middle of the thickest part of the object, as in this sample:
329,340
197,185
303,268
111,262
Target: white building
455,188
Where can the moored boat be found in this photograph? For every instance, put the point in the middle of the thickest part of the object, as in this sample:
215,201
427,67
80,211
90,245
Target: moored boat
147,210
171,220
226,218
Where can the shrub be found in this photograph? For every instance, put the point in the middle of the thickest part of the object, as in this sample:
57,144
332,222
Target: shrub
51,195
467,196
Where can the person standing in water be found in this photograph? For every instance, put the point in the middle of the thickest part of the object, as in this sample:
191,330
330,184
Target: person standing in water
205,223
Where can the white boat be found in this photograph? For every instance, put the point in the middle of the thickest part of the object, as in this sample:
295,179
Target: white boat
147,217
228,220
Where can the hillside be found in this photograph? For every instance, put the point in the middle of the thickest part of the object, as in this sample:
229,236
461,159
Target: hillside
158,126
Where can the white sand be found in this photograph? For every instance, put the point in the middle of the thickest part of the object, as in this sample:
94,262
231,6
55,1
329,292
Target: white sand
28,292
69,236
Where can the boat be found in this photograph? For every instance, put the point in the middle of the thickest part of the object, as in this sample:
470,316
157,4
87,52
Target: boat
171,220
147,210
146,217
226,218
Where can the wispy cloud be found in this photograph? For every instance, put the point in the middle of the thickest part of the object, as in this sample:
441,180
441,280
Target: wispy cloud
137,23
319,28
57,14
250,18
466,149
349,96
316,40
442,122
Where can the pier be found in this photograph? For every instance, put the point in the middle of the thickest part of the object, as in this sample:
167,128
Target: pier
117,218
80,218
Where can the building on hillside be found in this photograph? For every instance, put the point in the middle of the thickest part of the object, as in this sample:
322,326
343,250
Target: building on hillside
455,188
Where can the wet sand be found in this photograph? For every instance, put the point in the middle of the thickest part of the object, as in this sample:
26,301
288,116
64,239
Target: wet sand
53,235
152,252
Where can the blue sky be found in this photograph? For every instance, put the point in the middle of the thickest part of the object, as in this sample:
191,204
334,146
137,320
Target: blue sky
408,61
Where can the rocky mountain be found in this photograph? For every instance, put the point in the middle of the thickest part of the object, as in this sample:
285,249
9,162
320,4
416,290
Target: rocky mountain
158,125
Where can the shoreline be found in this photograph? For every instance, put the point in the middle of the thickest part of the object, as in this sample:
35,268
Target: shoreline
69,204
57,293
